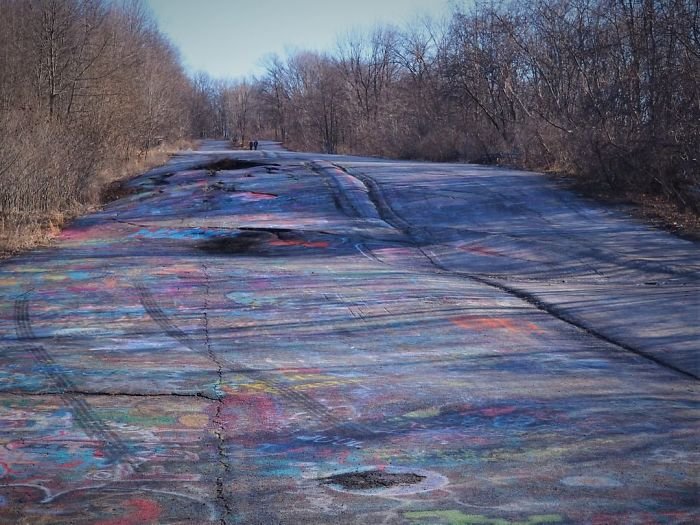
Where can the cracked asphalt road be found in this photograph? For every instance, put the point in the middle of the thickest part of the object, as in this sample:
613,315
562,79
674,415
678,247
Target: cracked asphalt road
299,338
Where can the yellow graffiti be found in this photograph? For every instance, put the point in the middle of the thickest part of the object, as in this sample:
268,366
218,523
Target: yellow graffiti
325,384
425,412
457,517
55,277
194,420
259,386
269,387
308,377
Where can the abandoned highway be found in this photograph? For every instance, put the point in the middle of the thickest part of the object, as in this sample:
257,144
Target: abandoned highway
279,337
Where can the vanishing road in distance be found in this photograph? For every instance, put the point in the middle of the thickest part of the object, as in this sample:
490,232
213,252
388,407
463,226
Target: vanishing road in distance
277,337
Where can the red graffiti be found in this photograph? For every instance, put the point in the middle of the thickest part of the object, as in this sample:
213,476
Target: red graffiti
497,411
140,511
473,322
255,196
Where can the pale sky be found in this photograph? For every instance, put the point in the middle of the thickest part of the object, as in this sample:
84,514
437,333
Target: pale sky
230,38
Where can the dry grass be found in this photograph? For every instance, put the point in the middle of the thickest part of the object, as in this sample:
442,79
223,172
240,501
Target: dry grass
24,230
155,157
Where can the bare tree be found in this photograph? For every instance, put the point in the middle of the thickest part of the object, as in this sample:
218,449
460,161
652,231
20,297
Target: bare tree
86,86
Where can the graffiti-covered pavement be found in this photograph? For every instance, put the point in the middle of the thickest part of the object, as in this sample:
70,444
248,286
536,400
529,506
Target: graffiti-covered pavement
308,339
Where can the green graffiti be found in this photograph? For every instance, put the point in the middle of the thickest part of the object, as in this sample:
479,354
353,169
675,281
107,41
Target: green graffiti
457,517
150,420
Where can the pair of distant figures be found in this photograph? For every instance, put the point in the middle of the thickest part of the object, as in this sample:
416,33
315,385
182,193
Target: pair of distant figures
253,144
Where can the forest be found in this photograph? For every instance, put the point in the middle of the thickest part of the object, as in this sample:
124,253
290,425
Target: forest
88,88
605,91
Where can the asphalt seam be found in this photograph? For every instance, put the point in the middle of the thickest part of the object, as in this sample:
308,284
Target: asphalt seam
106,394
390,216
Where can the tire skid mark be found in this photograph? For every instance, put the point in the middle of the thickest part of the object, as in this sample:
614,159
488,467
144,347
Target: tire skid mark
310,405
115,450
340,198
376,195
162,320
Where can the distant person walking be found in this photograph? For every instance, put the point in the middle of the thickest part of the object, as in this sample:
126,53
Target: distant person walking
255,145
250,145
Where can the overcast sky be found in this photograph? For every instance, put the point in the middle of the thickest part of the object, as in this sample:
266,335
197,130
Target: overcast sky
230,38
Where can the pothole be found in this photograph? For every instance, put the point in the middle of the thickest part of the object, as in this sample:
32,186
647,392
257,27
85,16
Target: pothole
221,186
388,481
373,479
161,179
115,191
263,241
241,243
230,164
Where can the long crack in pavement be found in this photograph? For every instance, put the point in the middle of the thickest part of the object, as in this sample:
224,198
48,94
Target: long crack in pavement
219,422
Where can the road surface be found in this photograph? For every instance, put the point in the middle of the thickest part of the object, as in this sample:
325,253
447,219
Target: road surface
297,338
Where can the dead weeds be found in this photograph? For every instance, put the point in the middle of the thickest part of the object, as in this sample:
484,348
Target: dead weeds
21,231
